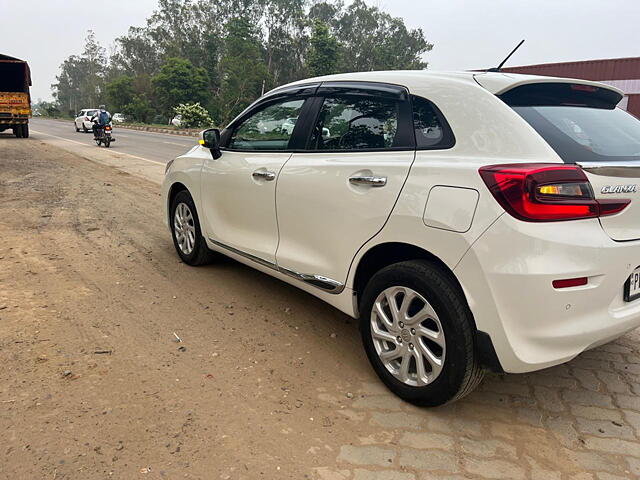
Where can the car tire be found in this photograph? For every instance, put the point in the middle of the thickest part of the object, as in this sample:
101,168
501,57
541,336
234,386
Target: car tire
186,233
440,367
76,127
25,130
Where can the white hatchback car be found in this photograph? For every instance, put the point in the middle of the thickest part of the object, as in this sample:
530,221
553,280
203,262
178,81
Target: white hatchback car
469,220
83,119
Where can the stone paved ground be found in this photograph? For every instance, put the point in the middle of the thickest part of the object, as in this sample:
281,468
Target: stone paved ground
579,421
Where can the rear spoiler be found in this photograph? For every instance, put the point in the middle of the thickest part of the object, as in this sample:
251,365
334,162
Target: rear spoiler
500,83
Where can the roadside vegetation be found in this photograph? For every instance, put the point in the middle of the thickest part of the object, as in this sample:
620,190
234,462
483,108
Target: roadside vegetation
223,54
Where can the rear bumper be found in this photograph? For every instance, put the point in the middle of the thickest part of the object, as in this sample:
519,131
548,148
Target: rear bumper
507,276
14,119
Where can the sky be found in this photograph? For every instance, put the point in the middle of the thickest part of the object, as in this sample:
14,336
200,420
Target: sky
467,34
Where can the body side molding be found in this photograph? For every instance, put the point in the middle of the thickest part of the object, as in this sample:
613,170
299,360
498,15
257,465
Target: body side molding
323,283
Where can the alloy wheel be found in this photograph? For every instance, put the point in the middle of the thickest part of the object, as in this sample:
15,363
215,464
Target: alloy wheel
184,228
408,336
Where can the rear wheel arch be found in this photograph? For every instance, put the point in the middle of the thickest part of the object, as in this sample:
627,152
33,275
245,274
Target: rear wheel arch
385,254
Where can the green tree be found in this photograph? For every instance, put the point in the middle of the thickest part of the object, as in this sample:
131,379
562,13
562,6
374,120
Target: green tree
136,53
237,47
179,81
81,80
243,68
139,109
324,50
120,92
371,39
285,41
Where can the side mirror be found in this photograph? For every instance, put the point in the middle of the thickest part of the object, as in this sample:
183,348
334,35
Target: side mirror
211,139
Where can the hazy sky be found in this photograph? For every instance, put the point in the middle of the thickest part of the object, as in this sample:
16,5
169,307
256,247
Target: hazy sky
467,33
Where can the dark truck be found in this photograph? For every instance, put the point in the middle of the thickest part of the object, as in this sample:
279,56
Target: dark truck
15,100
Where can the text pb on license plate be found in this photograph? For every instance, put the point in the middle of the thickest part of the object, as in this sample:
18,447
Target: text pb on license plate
632,286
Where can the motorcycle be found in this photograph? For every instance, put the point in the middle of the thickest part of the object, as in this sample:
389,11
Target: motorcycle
104,135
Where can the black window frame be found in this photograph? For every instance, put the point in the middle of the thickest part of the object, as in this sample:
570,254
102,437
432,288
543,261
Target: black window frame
314,95
288,94
366,89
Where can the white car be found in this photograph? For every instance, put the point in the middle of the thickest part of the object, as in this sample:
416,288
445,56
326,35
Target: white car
176,121
470,221
118,118
288,125
83,119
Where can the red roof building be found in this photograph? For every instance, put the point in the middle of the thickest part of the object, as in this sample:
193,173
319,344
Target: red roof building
623,73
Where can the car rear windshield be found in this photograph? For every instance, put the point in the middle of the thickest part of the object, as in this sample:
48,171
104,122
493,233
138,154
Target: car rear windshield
580,122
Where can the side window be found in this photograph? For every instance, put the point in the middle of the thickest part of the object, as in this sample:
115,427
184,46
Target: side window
268,129
432,131
356,123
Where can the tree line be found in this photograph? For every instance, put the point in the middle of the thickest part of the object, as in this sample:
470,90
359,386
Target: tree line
225,53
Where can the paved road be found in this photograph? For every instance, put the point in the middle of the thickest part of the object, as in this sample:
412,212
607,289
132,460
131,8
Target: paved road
151,146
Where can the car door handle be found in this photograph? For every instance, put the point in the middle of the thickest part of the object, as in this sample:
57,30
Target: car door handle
264,175
371,181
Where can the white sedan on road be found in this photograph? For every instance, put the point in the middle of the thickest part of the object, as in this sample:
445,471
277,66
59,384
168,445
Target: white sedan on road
83,119
470,221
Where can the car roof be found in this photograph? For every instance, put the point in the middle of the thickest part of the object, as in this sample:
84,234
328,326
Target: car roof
495,82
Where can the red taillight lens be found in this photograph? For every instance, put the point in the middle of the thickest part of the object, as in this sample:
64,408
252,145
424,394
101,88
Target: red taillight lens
107,128
537,192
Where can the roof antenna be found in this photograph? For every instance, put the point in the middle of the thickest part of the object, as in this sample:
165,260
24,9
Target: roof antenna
499,67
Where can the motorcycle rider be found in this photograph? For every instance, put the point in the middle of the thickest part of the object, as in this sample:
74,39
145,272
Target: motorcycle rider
100,119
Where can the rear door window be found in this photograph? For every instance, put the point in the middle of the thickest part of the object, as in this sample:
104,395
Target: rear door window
350,122
580,122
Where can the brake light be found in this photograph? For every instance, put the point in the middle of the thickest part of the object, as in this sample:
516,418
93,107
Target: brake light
107,128
538,192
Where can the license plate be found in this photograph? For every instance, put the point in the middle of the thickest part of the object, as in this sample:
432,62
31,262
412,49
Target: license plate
632,286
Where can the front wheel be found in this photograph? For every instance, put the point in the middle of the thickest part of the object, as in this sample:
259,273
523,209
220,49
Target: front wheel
186,233
418,334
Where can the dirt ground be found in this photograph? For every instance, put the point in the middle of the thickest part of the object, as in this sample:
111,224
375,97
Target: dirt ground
86,266
267,383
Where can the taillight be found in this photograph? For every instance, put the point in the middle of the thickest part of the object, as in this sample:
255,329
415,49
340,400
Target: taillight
538,192
107,128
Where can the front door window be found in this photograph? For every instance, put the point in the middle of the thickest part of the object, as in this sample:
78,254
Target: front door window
270,129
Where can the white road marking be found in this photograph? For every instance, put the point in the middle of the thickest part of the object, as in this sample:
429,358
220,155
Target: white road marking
174,143
85,145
